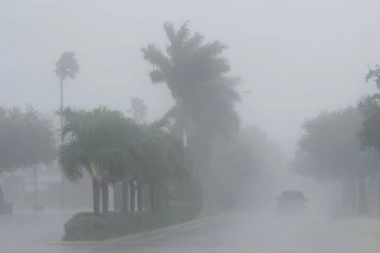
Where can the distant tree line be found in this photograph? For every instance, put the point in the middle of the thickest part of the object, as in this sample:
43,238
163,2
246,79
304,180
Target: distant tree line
344,145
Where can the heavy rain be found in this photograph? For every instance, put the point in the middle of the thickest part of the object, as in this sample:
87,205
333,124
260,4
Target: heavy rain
189,126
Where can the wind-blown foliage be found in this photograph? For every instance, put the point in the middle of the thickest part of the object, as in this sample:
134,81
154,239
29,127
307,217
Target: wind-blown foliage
101,136
196,74
101,142
67,66
164,155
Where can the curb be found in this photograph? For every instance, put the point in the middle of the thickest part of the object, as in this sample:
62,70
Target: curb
77,243
159,230
135,236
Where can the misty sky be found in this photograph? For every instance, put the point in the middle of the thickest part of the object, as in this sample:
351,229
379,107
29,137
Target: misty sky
297,57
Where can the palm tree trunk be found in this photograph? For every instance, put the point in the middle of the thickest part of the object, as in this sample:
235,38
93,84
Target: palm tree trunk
152,198
96,195
132,189
353,188
105,194
35,189
362,196
117,197
62,202
2,200
155,199
346,193
166,195
378,193
139,197
158,198
125,195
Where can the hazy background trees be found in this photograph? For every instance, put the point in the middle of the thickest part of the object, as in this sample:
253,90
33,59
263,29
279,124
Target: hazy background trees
343,145
331,150
26,141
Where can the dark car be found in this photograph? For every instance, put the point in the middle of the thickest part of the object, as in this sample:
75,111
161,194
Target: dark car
291,202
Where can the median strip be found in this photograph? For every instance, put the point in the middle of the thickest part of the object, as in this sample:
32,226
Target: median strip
160,230
75,243
127,238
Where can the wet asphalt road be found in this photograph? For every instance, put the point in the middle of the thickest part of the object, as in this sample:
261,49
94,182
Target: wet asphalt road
239,232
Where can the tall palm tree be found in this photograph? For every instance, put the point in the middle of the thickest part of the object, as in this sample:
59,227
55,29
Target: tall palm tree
196,74
66,67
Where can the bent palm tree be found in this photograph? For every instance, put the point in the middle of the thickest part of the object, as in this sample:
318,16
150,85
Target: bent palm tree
195,72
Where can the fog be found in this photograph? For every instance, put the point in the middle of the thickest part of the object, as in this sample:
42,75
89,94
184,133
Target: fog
295,58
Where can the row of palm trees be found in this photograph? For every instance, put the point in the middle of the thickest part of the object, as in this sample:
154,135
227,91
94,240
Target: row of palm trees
112,148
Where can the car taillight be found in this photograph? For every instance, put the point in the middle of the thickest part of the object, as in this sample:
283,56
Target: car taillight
279,202
304,204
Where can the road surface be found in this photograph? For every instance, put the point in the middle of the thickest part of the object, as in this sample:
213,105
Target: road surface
240,232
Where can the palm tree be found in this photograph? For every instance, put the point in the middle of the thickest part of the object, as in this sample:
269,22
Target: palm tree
66,67
164,160
139,111
98,142
196,74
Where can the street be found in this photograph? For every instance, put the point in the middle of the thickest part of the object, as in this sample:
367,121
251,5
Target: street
239,232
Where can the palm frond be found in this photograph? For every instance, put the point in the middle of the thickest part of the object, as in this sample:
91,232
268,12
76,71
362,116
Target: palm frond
156,58
157,76
74,121
171,113
226,88
212,49
183,33
72,158
194,42
170,32
67,66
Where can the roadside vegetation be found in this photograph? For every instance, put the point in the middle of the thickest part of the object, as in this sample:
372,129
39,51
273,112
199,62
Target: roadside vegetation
162,172
196,157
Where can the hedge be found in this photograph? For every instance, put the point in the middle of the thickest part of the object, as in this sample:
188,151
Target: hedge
89,227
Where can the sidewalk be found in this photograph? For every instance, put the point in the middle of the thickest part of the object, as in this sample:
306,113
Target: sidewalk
368,234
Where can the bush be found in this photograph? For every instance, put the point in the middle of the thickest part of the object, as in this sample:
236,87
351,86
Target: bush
89,227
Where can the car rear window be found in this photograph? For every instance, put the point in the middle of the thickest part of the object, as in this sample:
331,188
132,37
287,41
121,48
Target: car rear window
292,195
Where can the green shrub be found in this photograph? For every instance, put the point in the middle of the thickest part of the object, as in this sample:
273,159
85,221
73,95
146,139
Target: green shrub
90,227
